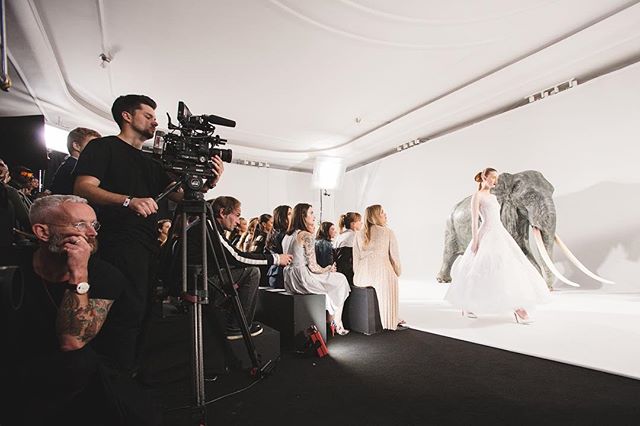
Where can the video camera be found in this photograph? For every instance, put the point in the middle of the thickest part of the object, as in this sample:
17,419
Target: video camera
188,148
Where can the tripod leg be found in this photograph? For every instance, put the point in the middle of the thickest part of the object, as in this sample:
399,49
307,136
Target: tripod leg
215,241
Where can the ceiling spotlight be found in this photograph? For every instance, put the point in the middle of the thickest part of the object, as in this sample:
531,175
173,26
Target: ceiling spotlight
556,90
398,148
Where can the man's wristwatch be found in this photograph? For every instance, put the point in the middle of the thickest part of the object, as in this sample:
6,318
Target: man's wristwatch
80,288
127,201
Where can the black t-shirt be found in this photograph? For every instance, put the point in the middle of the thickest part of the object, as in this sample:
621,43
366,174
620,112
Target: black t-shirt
40,306
63,180
123,169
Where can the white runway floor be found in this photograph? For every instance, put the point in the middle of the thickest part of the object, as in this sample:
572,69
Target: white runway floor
588,328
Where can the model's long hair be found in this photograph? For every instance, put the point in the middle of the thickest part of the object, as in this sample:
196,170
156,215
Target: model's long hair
483,174
372,217
347,219
297,219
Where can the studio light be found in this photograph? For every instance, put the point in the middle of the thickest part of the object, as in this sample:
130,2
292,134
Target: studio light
328,173
55,138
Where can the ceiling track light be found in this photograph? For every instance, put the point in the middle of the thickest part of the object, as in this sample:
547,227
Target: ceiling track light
252,163
410,144
553,90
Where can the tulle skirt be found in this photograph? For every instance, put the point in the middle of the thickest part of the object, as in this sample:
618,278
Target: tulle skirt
498,278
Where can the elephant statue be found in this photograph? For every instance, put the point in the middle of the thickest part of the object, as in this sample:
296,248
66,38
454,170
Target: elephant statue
527,210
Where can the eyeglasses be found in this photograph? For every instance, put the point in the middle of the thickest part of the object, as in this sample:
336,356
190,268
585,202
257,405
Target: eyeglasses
81,226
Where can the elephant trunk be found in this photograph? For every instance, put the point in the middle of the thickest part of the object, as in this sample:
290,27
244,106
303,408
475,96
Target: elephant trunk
541,214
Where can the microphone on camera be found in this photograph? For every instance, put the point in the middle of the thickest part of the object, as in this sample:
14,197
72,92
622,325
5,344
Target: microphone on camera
221,121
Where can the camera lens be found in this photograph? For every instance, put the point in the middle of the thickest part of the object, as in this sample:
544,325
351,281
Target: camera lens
224,154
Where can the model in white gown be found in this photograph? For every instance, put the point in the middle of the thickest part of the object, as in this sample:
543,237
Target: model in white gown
494,276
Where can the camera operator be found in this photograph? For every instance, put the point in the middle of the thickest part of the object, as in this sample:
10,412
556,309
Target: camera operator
244,266
74,331
120,181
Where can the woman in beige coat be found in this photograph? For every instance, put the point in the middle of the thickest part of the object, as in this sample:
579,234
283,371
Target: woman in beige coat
376,263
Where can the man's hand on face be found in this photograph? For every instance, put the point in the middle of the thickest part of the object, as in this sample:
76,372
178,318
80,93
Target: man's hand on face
78,252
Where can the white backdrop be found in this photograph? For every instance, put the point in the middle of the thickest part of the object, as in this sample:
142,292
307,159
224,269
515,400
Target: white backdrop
260,190
585,142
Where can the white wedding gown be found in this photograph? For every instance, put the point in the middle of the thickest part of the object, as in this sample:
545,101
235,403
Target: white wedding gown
498,278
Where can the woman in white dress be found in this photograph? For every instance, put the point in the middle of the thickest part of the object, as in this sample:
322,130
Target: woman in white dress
304,276
493,275
376,263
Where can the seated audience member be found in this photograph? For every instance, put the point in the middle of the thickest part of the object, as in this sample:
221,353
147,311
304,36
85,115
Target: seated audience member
4,172
305,276
235,235
376,263
324,247
243,265
77,139
34,188
7,217
75,347
349,224
164,226
16,198
247,234
21,180
281,218
259,240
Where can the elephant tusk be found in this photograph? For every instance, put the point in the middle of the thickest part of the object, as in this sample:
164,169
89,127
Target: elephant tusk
576,262
545,257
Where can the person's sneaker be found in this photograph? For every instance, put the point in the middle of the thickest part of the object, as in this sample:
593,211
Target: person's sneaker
255,329
236,333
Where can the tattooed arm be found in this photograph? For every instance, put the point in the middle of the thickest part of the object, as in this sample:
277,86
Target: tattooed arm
80,319
309,245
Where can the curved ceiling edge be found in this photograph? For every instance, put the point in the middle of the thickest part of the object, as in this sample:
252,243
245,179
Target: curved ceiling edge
376,41
442,22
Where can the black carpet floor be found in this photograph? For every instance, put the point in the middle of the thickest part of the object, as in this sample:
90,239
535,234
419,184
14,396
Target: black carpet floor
412,378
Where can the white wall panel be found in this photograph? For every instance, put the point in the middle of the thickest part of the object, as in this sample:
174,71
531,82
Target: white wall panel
585,141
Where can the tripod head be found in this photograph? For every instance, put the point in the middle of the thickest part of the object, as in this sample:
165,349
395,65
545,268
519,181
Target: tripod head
192,186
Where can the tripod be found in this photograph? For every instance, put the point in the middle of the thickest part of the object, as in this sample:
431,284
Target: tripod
197,294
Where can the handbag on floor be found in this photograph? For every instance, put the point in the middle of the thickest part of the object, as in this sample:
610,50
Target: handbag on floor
315,342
